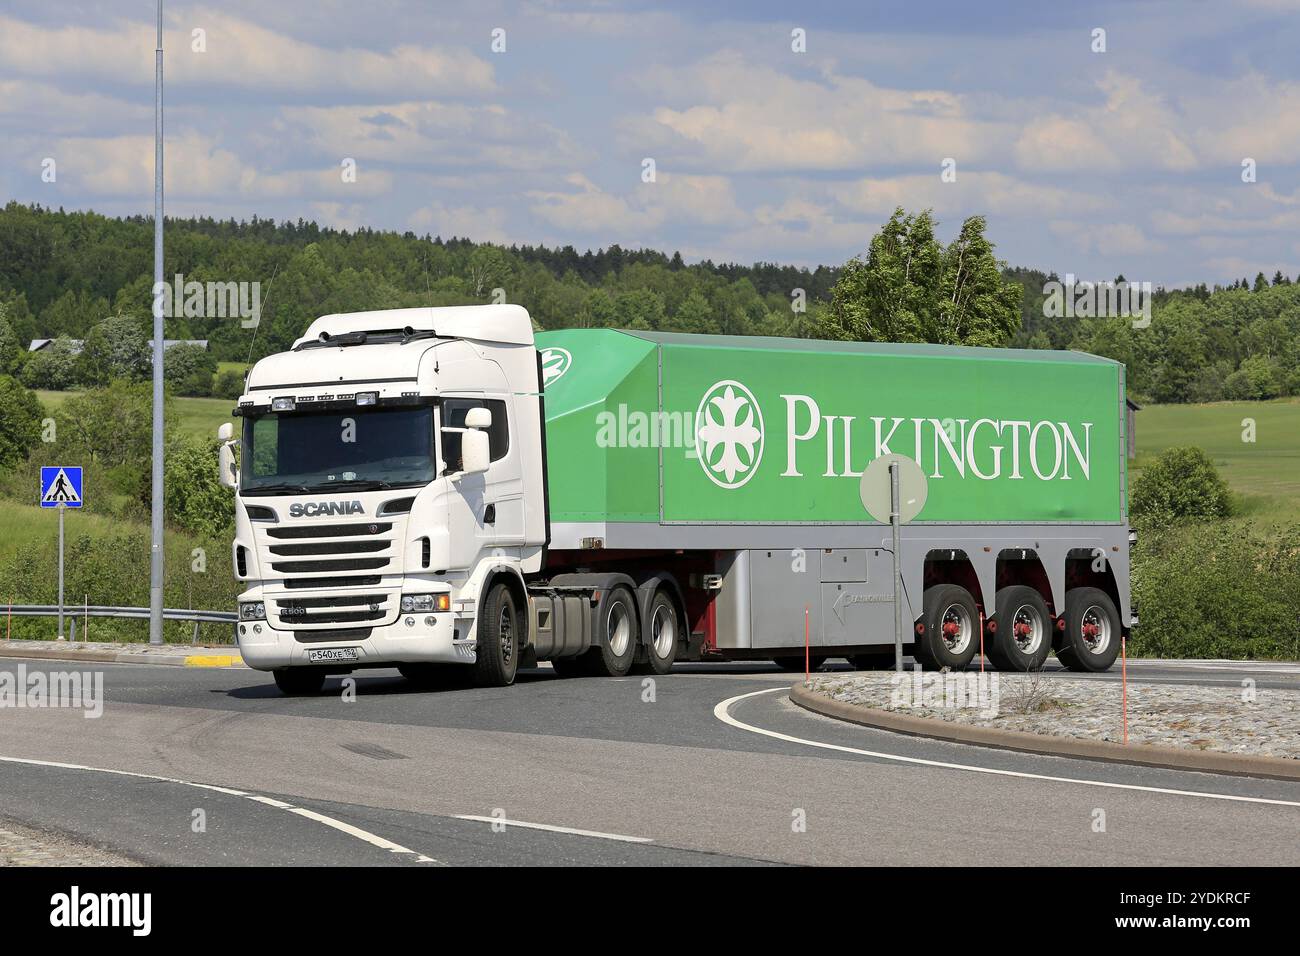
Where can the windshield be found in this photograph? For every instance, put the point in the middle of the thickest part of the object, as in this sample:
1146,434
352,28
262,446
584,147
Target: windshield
354,449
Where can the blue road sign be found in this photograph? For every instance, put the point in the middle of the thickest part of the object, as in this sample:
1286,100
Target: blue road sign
61,485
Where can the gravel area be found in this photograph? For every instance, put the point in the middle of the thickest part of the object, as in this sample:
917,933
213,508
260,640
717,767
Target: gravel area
1170,715
21,846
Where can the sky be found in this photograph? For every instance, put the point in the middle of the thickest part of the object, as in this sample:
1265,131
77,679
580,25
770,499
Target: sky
704,128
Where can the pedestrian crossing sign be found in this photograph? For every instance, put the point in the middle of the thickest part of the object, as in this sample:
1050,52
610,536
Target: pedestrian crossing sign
61,485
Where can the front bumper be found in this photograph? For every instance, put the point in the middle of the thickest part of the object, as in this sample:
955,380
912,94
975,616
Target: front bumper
396,643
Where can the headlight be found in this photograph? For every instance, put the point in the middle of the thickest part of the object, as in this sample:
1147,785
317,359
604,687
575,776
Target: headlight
412,603
367,398
255,611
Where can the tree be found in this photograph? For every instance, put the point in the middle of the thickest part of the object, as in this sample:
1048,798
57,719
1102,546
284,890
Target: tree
1258,378
113,428
228,383
20,421
909,288
189,369
1180,483
53,367
195,498
9,347
115,348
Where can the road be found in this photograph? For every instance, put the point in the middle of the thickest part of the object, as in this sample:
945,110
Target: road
710,765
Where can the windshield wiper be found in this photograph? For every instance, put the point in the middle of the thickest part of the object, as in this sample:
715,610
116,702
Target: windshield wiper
354,484
275,489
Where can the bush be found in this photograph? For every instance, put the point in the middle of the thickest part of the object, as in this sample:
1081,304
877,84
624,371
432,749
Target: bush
20,422
1180,483
195,499
1216,589
53,367
228,384
189,369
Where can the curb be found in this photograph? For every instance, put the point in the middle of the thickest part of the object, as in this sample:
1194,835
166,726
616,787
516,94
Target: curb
1147,755
74,654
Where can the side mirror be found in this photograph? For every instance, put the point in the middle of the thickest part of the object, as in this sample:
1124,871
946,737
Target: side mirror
475,454
229,473
478,418
226,432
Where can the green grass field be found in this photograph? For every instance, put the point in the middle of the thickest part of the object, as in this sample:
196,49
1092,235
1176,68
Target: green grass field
1264,473
198,417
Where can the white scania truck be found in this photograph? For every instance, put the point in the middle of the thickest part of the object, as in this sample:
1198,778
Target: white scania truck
423,488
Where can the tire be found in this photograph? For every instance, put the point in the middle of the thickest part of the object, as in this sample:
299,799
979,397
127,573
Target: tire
955,647
618,633
1091,641
795,665
299,681
663,633
500,635
1023,636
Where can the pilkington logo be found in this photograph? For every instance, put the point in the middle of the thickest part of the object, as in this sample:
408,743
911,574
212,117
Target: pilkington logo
729,434
729,440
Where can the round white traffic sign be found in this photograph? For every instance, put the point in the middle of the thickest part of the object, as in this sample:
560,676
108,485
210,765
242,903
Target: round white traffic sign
875,488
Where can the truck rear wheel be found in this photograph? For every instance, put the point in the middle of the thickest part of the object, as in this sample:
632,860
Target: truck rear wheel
499,638
1022,637
299,681
618,633
1092,631
663,634
950,630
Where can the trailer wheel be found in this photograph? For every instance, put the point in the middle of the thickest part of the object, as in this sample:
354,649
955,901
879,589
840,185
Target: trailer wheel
617,632
950,628
1022,638
299,681
499,639
1092,631
794,664
663,634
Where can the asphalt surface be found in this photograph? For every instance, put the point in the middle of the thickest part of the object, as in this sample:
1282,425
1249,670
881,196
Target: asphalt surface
195,766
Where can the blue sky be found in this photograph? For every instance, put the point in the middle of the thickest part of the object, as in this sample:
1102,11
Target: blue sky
1094,163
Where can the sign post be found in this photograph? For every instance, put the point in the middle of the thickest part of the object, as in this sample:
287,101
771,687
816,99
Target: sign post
894,490
61,488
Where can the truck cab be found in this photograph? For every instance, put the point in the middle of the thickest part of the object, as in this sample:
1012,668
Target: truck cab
389,477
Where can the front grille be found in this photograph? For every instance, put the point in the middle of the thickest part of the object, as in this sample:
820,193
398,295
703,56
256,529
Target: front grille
328,547
366,581
330,530
345,609
330,637
344,564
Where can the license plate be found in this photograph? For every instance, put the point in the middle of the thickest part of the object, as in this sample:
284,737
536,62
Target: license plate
324,654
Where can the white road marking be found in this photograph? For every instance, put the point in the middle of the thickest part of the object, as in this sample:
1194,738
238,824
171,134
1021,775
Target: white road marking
339,825
723,712
553,829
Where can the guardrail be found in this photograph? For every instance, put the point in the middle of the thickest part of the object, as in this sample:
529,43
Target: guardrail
73,611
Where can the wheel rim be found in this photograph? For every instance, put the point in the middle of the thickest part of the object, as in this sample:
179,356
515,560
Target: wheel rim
506,630
663,630
1027,629
955,627
618,625
1095,630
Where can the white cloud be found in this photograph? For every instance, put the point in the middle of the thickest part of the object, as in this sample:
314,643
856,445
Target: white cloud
588,209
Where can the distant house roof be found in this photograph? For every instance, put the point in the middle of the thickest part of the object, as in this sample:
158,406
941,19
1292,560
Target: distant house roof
38,344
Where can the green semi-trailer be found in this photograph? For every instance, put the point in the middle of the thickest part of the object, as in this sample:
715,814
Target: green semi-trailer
614,499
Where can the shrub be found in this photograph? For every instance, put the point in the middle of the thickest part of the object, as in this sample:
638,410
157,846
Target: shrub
195,499
1180,483
188,369
53,367
20,421
115,348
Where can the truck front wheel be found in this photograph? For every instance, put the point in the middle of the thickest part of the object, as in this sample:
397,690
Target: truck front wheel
949,634
299,681
1092,631
1022,637
499,638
